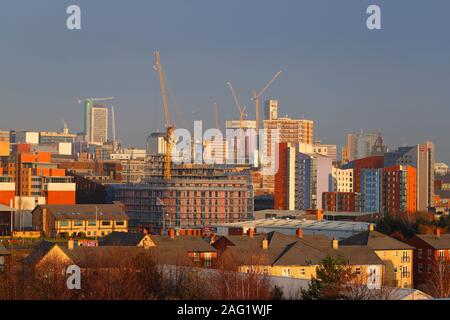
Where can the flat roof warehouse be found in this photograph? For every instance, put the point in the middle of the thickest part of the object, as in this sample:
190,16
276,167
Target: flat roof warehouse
331,229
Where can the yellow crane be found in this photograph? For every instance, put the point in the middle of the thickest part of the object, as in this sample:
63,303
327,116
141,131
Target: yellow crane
256,97
169,127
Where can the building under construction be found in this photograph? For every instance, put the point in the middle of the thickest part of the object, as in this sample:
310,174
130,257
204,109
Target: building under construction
195,197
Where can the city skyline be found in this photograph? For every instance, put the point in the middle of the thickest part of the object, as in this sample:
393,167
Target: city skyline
335,71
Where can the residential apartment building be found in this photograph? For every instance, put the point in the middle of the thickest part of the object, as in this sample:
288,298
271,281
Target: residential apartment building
399,189
242,145
95,220
341,202
342,180
36,177
299,256
195,197
420,157
396,255
329,150
431,258
302,179
371,182
284,130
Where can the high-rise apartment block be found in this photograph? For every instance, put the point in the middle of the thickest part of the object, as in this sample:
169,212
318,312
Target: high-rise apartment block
342,180
399,189
95,123
301,179
420,157
371,182
286,130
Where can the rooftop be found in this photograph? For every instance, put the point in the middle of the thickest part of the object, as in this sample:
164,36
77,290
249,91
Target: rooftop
284,250
303,224
375,240
86,211
441,243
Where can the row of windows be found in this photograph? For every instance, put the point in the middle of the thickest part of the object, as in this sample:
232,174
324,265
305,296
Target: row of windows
90,223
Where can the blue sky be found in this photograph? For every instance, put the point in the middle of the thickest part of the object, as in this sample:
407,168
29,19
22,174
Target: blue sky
336,72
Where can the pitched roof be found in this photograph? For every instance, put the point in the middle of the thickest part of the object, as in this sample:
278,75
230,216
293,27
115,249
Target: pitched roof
122,239
277,239
187,243
39,252
441,243
286,250
86,211
375,240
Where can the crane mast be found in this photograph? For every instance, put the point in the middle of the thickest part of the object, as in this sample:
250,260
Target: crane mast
256,97
169,127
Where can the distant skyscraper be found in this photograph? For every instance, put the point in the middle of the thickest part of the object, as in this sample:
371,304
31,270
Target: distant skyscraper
95,123
360,145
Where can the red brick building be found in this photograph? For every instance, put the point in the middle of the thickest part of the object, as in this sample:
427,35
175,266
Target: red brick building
281,182
430,251
375,162
341,201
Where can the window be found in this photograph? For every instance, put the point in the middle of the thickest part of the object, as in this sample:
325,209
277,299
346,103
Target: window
430,253
78,223
208,259
302,272
64,223
120,223
92,223
106,223
420,253
286,272
358,271
266,271
420,267
196,257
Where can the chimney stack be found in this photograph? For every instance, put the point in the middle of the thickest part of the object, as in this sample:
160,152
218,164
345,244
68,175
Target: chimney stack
265,244
335,244
319,214
299,233
251,233
438,232
71,244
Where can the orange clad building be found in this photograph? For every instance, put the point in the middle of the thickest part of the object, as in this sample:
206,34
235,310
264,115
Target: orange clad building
34,175
399,189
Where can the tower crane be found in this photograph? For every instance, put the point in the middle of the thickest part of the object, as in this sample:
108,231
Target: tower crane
169,127
241,114
238,105
256,97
